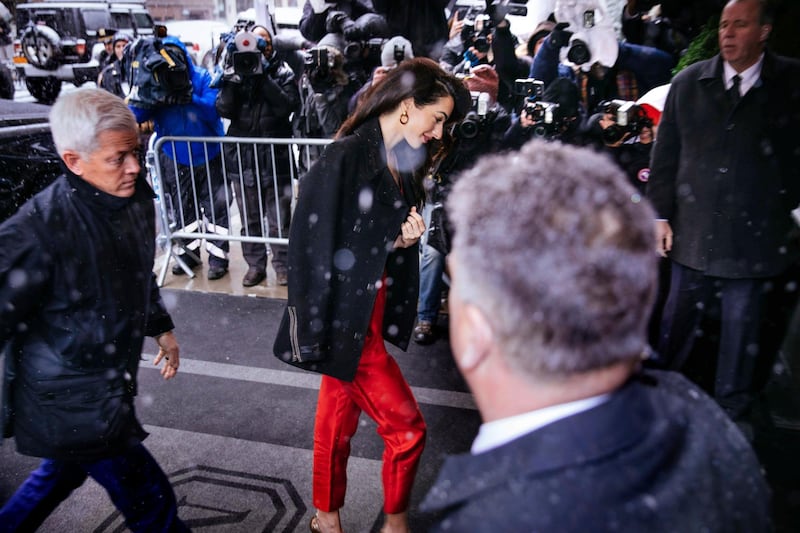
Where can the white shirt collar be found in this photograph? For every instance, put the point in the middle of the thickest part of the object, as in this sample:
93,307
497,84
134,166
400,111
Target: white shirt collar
749,76
498,432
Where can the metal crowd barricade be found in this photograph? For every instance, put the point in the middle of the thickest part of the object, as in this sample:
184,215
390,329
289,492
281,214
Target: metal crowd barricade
178,226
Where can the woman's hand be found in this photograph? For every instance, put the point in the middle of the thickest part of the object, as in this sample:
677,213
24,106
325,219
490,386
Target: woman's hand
411,230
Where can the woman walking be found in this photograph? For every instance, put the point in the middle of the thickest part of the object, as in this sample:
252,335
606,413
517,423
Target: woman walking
354,276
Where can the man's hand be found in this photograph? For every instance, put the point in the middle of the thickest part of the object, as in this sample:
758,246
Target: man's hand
663,237
411,230
169,351
525,120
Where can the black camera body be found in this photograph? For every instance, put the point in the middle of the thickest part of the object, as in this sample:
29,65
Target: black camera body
247,63
477,118
629,118
319,64
531,88
547,118
367,52
476,30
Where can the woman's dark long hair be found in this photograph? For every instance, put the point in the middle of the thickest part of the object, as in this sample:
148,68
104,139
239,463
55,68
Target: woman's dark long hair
419,78
423,80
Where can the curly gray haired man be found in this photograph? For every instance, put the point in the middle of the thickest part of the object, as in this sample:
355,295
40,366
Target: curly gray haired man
553,274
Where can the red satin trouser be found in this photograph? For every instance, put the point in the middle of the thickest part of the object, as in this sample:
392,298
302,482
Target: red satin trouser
379,390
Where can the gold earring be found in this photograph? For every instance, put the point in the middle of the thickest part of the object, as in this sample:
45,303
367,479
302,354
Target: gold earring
404,117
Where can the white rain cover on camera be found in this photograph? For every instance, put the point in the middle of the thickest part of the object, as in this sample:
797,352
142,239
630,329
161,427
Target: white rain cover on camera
600,35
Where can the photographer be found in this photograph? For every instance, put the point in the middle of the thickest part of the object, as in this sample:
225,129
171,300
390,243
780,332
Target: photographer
315,19
393,52
479,133
325,90
554,113
625,131
112,78
636,69
258,95
471,46
194,167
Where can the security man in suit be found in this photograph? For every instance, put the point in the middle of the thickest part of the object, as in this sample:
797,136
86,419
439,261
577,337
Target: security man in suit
724,178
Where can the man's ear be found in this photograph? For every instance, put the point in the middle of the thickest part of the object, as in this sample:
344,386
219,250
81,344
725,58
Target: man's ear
73,161
766,29
479,339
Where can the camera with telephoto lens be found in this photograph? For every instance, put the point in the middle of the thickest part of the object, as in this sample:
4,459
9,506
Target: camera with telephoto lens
629,118
366,52
319,63
578,51
476,119
476,30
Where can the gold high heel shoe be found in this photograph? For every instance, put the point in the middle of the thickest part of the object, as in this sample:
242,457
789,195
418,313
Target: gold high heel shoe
313,525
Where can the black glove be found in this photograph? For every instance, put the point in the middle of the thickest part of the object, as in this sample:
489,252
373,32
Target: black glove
560,37
497,11
178,98
339,22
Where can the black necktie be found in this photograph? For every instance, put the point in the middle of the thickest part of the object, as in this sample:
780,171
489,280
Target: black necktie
733,92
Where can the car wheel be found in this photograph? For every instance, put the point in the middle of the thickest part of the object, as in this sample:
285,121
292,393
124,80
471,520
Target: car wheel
40,46
45,90
6,83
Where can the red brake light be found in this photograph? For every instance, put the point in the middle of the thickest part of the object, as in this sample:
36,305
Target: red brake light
80,47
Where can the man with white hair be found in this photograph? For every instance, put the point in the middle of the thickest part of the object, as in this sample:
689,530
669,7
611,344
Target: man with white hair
79,295
552,279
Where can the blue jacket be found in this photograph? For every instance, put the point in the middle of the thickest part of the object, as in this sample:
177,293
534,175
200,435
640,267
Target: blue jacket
198,119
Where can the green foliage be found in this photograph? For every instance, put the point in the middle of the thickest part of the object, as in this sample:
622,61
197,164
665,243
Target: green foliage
704,46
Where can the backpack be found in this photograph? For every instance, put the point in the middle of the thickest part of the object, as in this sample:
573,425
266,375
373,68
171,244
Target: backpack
159,74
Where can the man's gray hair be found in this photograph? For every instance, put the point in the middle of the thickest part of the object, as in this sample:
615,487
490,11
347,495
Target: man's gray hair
78,117
557,250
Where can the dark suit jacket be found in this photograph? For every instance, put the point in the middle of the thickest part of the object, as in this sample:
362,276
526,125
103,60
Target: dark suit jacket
658,456
340,243
727,179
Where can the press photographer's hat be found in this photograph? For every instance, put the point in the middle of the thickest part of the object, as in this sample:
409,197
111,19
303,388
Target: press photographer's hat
483,79
332,40
387,52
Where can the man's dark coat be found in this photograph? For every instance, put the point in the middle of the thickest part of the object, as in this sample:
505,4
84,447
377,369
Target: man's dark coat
79,295
658,456
340,244
727,178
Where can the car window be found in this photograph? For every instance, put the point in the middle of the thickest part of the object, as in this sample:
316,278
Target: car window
143,20
121,21
96,19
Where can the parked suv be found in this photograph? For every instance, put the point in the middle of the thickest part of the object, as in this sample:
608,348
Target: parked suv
57,40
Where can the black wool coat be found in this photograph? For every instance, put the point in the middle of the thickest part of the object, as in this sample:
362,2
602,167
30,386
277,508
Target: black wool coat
726,178
340,244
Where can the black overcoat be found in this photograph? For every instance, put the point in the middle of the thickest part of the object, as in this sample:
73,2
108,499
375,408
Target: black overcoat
340,244
726,178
